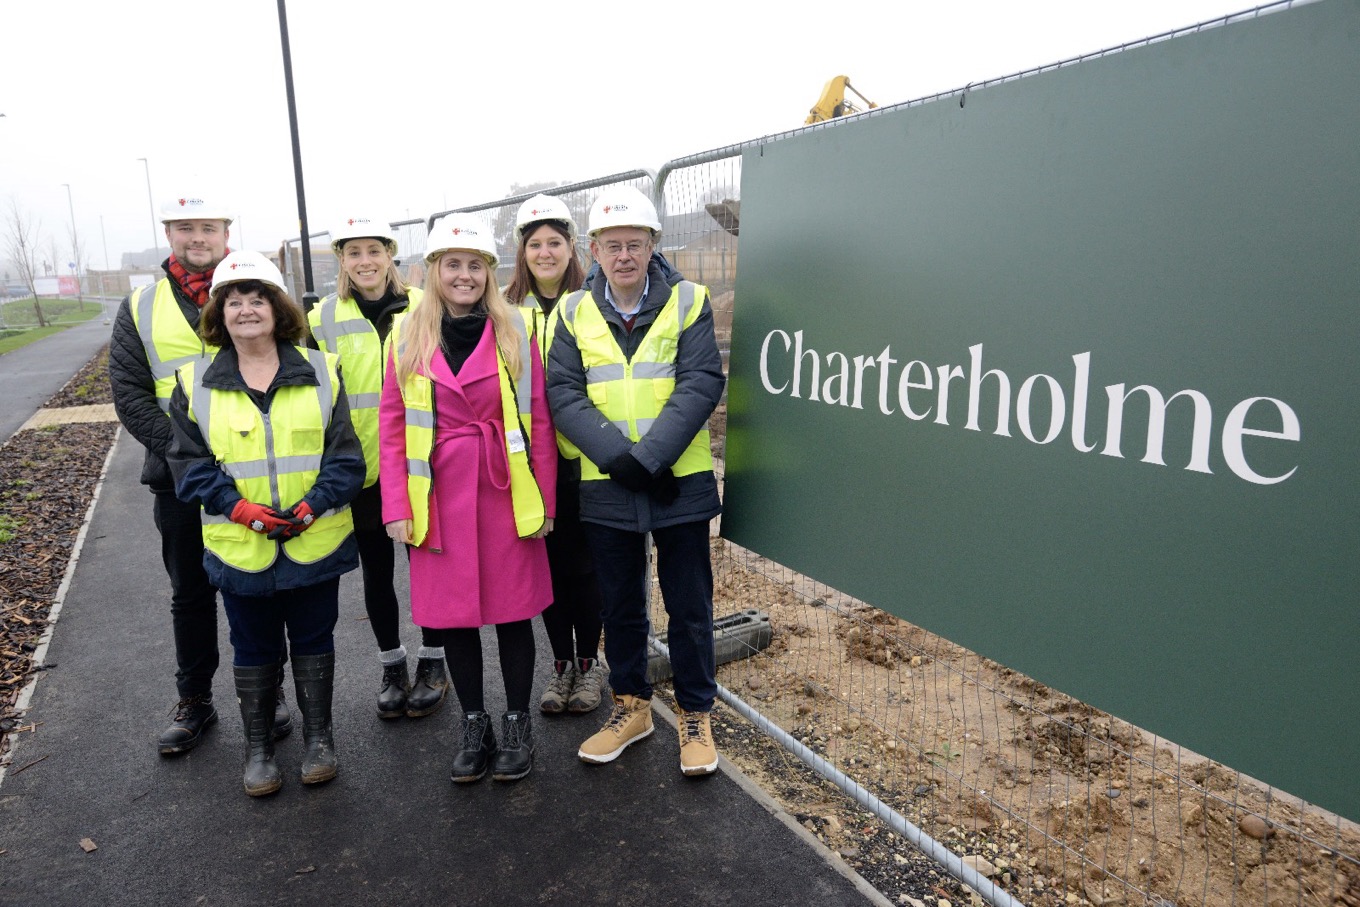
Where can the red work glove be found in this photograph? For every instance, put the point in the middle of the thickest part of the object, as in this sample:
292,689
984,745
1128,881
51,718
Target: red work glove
257,517
299,517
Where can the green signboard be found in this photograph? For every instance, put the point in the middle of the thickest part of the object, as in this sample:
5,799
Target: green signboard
1065,370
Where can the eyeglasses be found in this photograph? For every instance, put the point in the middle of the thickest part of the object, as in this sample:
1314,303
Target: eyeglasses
635,248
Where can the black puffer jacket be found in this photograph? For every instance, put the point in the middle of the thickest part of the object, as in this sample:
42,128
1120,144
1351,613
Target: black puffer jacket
134,389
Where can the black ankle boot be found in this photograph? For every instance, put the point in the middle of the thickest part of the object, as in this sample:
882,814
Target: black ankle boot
314,677
193,716
515,756
283,719
255,690
428,692
396,686
477,742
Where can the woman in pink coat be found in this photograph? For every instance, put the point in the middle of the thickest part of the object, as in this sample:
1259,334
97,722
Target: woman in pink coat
468,467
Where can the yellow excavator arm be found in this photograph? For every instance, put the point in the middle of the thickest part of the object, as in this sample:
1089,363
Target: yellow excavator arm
833,102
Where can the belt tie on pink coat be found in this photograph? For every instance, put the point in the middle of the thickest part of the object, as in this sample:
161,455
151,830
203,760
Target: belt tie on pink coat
497,464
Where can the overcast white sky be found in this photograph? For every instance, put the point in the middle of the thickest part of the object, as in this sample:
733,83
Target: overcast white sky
407,107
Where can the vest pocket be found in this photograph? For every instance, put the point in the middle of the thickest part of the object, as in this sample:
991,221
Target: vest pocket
307,439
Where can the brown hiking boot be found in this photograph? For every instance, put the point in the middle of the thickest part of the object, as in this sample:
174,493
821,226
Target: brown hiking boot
698,755
630,721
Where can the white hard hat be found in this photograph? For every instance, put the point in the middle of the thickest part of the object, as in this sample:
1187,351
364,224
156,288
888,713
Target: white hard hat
541,208
362,228
460,231
623,206
191,207
245,265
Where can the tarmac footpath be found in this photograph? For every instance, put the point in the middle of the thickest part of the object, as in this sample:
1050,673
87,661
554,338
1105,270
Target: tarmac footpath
391,829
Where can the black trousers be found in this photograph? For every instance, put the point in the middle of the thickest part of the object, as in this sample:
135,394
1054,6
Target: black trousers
193,599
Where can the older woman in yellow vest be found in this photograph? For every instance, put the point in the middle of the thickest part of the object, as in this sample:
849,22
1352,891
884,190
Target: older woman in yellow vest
354,323
468,473
263,442
548,268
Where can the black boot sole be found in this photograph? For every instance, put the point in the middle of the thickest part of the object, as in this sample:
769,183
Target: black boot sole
428,710
504,777
467,779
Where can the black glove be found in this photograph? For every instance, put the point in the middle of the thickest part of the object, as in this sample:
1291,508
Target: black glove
628,472
299,517
665,489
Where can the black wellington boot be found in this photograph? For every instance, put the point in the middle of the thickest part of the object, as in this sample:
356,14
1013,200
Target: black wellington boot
478,743
428,692
255,690
314,679
283,719
515,756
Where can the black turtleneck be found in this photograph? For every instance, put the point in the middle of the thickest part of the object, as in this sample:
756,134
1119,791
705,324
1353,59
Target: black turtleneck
374,310
460,335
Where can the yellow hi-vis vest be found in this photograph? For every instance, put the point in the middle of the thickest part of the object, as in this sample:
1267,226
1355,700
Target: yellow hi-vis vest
339,327
168,339
417,393
632,394
542,326
274,459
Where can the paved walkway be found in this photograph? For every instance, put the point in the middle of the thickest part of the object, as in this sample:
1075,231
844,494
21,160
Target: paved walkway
31,374
391,829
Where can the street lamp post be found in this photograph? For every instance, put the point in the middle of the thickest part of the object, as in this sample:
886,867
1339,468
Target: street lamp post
75,244
103,280
151,206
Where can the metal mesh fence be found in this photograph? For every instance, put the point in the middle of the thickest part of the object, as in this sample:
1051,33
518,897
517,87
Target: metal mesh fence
1058,802
325,268
499,215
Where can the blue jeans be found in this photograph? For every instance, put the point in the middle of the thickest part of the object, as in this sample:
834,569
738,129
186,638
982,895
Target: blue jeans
258,622
686,576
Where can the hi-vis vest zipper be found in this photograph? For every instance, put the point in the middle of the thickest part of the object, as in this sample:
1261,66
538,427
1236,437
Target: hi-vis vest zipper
340,327
632,394
417,393
274,459
168,339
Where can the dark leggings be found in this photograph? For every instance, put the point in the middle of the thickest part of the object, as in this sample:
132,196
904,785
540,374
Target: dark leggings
573,619
463,650
377,558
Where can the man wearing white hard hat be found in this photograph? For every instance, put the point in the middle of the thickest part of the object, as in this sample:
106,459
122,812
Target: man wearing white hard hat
154,333
263,443
634,374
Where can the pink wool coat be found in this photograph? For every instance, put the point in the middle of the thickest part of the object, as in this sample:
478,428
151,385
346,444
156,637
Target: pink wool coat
482,572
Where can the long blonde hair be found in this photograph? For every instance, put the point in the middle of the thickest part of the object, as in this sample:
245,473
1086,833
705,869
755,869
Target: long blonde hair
421,337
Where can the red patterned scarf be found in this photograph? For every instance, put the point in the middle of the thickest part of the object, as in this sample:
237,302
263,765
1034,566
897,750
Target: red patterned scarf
195,286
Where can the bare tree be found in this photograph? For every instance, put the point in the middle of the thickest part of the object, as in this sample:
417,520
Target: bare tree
21,237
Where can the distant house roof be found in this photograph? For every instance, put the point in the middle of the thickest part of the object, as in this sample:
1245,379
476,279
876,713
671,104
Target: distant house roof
145,260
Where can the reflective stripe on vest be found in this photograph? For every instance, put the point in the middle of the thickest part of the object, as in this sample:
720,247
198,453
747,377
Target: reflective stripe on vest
632,394
544,327
273,459
417,393
167,337
339,327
